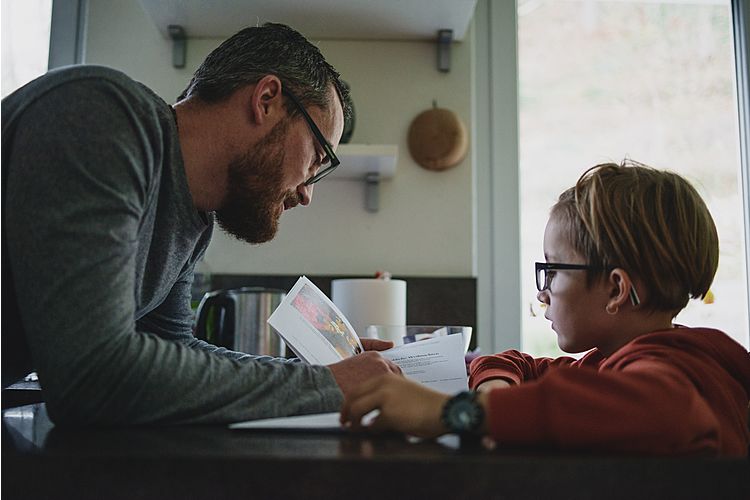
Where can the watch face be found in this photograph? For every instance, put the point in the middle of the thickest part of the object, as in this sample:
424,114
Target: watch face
463,414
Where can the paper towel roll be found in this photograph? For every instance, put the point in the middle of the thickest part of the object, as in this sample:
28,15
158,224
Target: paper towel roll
367,302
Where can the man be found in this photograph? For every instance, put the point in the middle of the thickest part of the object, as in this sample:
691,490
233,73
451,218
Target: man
109,198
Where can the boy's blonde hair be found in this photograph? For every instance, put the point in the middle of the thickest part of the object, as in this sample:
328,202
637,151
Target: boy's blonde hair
651,223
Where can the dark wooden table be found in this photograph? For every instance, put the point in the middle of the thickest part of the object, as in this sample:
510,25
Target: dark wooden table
186,462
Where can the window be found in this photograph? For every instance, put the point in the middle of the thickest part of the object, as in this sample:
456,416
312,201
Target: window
652,81
25,41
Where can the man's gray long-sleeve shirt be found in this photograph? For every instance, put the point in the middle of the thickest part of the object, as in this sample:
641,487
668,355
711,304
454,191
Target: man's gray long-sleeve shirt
100,238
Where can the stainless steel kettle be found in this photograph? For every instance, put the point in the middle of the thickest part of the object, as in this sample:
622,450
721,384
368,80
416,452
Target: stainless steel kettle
237,319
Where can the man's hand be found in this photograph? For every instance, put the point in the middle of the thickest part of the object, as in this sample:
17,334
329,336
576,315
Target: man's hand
404,405
355,370
375,344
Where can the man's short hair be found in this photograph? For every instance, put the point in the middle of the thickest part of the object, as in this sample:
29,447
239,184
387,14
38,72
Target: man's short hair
271,49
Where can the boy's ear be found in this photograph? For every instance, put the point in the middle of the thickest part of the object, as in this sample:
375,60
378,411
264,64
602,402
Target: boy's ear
266,100
619,284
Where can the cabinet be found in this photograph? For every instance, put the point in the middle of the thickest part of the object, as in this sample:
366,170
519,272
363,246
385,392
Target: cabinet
317,19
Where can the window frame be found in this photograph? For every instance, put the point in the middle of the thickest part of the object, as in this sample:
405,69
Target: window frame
496,159
741,25
67,33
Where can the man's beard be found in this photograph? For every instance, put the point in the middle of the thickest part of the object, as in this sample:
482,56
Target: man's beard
252,206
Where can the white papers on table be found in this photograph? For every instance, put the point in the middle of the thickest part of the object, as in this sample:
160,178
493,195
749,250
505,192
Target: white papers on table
316,421
437,363
321,422
313,327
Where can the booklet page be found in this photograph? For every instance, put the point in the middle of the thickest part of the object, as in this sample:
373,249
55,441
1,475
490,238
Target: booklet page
313,327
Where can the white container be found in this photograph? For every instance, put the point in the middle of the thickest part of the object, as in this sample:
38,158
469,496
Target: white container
367,302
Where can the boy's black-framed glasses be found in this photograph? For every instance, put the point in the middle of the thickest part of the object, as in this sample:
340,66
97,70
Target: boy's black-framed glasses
331,161
544,277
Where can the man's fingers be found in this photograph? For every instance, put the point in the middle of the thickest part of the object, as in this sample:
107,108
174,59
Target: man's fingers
394,368
375,344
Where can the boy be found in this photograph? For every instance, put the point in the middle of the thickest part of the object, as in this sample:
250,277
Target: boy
626,248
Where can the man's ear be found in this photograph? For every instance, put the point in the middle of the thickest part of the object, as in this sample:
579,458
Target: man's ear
266,100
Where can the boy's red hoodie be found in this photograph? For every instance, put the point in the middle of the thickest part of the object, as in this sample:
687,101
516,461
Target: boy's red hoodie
672,392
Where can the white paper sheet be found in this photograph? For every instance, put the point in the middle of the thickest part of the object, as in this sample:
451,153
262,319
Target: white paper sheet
316,421
437,363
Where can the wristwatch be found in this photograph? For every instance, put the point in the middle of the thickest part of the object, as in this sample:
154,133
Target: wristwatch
463,414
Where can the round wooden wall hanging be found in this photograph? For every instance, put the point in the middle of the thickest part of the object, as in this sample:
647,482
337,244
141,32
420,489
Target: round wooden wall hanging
437,139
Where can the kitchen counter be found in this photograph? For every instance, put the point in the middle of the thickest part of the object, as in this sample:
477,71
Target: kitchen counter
42,461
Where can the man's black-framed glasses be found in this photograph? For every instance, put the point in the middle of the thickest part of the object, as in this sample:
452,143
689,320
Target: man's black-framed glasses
331,161
544,276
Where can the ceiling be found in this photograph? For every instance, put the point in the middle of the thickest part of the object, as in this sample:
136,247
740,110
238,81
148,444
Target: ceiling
317,19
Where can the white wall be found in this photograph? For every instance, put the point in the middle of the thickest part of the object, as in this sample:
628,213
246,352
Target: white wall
424,226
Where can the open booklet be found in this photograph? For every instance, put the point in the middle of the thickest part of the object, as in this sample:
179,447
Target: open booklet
318,333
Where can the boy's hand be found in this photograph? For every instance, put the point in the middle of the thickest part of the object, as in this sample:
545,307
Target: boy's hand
497,383
404,406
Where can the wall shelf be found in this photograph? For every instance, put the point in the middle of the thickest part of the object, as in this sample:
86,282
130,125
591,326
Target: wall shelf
317,19
359,160
370,163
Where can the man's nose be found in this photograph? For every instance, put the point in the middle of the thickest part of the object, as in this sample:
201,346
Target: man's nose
305,194
543,297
